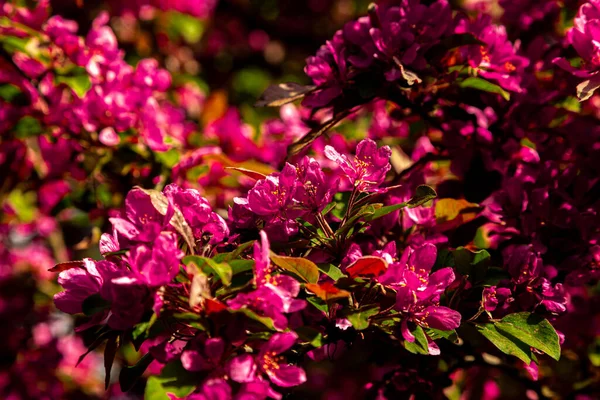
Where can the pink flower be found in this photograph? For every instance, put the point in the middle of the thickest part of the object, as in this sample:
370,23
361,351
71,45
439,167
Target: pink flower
274,295
142,222
246,368
78,285
418,290
159,264
497,60
314,190
198,213
203,354
368,169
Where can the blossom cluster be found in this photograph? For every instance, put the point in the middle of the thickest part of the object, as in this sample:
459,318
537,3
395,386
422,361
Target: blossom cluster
167,255
401,43
424,224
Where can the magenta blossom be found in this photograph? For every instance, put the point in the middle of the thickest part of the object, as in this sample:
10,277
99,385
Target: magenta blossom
584,37
497,60
78,285
272,199
159,264
265,302
328,70
198,213
274,294
203,354
126,296
418,290
247,368
142,222
404,33
314,189
284,286
368,169
492,296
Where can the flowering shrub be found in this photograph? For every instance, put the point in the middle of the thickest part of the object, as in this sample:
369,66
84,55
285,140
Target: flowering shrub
424,224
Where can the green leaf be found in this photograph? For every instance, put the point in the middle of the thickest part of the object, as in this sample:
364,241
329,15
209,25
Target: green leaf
168,158
13,43
318,303
225,257
310,335
238,266
80,84
328,208
129,375
360,318
435,334
172,379
444,259
266,321
188,27
208,266
341,203
331,271
10,93
94,304
301,267
533,330
472,263
383,211
419,346
251,81
485,86
24,204
27,127
423,194
145,330
505,342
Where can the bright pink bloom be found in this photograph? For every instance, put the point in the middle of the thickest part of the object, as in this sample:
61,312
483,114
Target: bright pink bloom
368,169
246,368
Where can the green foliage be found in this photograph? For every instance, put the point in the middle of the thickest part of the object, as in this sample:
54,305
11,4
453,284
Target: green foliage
419,346
80,84
473,264
506,343
484,86
532,330
304,269
221,271
516,333
331,271
359,318
186,26
172,379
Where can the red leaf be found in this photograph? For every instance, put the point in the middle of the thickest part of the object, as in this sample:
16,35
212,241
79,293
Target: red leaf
367,266
65,266
327,291
213,306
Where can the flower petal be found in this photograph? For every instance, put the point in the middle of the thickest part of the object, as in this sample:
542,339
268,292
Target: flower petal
287,375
